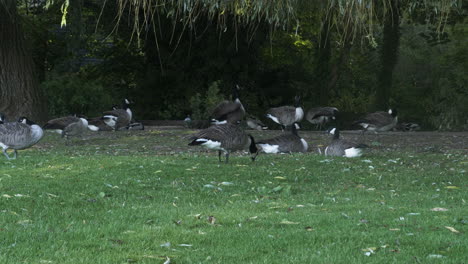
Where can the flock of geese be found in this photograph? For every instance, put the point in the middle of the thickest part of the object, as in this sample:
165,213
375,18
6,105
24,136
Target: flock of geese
225,135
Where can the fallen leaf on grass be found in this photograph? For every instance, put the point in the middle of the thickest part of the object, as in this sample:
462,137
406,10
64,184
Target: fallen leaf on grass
211,219
24,222
413,214
184,245
369,251
280,178
286,222
309,228
7,196
452,187
452,229
435,256
394,229
167,244
439,209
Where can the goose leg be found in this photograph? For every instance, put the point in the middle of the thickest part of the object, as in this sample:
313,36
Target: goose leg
227,157
15,152
6,154
219,155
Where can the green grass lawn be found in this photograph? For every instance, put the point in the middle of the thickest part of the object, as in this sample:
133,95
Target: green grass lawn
142,199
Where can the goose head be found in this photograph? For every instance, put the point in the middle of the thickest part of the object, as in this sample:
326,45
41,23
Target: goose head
26,121
297,101
392,112
335,132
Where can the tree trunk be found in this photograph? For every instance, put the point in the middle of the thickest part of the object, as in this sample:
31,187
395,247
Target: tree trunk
20,94
389,56
322,72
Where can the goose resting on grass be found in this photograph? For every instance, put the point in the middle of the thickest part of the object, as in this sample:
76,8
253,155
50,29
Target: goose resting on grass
379,121
343,148
118,118
225,138
19,135
288,142
67,126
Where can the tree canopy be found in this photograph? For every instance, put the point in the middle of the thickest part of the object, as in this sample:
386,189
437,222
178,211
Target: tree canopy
171,57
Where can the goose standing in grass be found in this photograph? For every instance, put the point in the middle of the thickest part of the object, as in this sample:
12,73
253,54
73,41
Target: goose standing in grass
321,115
343,148
229,111
288,142
255,123
379,121
118,118
19,135
225,138
287,115
67,126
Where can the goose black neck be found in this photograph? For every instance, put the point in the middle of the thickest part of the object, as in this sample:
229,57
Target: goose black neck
297,101
336,135
235,92
253,147
294,129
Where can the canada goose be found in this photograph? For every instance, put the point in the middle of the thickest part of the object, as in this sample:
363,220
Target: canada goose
19,135
255,123
187,121
67,126
379,121
118,118
341,147
225,138
229,111
288,142
135,126
321,115
406,127
286,115
98,124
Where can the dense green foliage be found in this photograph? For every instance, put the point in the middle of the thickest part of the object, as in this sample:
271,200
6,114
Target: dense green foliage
164,74
140,197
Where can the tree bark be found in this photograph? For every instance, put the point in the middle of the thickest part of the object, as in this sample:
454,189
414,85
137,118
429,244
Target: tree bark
20,94
389,56
322,72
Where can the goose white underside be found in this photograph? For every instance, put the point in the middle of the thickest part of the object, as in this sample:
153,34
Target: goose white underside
36,133
93,128
58,131
216,122
299,114
267,148
110,120
305,145
210,144
274,118
353,152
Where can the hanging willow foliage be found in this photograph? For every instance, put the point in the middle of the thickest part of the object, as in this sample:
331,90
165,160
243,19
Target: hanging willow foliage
349,18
